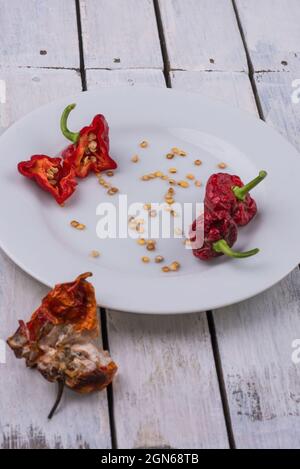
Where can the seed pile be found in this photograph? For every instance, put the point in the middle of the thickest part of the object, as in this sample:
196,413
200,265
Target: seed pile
111,190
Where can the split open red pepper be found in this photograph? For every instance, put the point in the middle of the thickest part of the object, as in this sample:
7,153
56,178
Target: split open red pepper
51,174
213,235
90,147
227,192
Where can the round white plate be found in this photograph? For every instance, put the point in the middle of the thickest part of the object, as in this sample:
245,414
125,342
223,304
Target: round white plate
36,233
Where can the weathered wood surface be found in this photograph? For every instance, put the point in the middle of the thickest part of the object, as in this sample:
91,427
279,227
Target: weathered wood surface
272,33
166,393
38,33
25,397
202,35
120,34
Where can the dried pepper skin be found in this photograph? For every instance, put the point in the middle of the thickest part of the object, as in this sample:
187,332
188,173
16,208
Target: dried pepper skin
227,192
51,174
59,338
90,149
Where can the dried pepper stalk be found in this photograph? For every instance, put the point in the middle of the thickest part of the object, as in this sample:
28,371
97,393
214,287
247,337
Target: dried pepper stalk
214,235
51,174
90,147
227,192
60,339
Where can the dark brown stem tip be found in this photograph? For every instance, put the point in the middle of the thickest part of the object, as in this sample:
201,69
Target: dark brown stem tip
60,390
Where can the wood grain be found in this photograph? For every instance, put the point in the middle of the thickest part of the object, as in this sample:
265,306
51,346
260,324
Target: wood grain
202,35
166,393
120,34
272,33
38,33
25,396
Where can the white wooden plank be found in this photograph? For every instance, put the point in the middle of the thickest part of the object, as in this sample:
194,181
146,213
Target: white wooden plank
272,33
255,337
24,395
107,78
166,393
120,34
202,35
38,33
280,97
231,87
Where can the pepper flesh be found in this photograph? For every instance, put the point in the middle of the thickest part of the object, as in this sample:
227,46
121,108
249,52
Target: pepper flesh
59,338
51,174
90,148
213,235
227,192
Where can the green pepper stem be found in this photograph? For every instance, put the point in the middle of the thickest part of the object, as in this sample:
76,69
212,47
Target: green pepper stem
73,136
241,192
222,246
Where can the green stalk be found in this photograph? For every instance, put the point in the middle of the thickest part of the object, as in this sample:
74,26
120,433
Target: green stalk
73,136
241,192
222,246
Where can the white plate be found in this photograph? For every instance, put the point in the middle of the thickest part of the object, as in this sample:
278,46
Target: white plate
36,233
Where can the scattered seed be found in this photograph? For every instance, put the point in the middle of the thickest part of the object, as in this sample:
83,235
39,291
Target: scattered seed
145,259
222,165
172,182
170,156
153,213
190,176
112,191
183,184
169,200
151,245
165,177
159,259
158,174
54,170
173,213
197,162
135,159
182,153
187,242
171,190
141,241
172,170
144,144
140,229
174,266
147,207
165,268
102,181
109,173
95,253
198,183
145,178
77,225
175,151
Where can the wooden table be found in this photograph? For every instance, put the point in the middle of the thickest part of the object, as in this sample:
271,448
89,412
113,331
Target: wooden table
209,380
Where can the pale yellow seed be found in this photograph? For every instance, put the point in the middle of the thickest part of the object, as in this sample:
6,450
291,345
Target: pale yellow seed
144,144
145,178
165,178
140,229
190,176
171,190
141,241
165,269
173,213
174,266
109,173
147,206
159,259
151,246
172,182
53,182
187,242
106,185
95,253
145,259
178,231
153,213
169,156
175,151
183,184
158,174
169,200
198,183
92,146
197,162
172,170
135,159
222,165
74,223
112,191
54,170
102,181
182,153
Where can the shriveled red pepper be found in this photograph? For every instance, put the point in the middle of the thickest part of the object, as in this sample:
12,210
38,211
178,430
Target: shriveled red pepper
90,148
59,339
227,192
213,235
51,174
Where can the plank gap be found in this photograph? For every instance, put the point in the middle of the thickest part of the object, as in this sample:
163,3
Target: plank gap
163,44
80,46
249,61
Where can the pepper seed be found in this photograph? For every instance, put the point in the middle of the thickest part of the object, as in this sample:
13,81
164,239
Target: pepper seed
144,144
135,159
159,259
183,184
95,253
197,162
222,165
145,259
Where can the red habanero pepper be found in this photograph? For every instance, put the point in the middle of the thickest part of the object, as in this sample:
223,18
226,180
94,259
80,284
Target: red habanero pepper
227,192
51,175
213,235
90,148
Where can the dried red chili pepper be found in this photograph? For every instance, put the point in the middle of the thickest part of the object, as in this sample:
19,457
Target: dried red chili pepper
59,339
227,192
54,177
90,148
213,235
